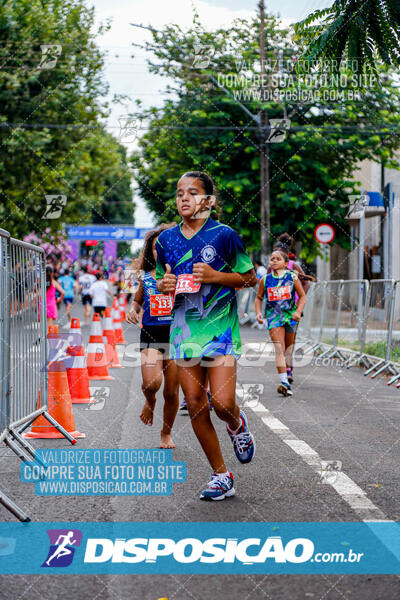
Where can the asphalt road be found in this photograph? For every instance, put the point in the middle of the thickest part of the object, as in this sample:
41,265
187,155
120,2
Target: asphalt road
340,414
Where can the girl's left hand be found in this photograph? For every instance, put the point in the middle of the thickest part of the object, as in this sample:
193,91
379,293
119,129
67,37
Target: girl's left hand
296,316
204,273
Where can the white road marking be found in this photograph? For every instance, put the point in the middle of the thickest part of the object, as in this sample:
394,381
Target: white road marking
347,489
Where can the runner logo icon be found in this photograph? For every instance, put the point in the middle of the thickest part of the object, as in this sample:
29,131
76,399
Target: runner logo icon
62,547
208,253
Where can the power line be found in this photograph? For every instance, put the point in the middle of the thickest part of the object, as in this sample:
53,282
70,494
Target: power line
386,130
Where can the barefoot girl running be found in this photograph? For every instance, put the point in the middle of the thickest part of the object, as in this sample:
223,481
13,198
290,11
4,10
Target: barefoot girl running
202,261
279,288
154,341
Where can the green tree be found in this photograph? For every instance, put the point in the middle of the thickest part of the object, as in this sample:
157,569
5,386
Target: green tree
201,127
52,94
360,32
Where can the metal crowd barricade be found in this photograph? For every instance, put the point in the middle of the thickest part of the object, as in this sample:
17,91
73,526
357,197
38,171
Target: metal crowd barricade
379,316
394,345
352,320
246,305
23,349
317,318
305,330
356,320
330,325
4,331
354,316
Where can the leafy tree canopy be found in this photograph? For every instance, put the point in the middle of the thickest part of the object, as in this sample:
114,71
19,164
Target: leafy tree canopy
359,32
52,138
201,127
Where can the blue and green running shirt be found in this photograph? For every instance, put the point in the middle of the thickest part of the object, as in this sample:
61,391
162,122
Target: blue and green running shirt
280,298
204,323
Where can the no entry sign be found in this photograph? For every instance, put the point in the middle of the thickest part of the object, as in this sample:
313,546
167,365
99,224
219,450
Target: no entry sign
324,233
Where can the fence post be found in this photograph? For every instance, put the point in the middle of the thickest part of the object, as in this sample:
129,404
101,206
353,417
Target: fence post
4,330
382,363
43,320
395,366
390,323
315,346
304,329
331,352
323,312
386,362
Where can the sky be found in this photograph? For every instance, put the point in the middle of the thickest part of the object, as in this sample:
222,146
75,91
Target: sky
125,66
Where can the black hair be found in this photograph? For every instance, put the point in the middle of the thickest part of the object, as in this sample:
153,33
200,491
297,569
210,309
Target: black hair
146,258
284,242
49,275
66,272
99,275
205,179
209,188
84,269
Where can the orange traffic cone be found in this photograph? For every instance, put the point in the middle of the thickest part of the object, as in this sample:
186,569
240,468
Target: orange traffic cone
97,363
77,373
109,340
109,350
122,304
75,332
59,398
118,331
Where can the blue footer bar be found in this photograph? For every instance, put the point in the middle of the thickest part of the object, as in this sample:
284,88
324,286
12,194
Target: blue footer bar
196,548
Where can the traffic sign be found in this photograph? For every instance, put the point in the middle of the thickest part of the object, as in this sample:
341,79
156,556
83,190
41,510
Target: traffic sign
324,233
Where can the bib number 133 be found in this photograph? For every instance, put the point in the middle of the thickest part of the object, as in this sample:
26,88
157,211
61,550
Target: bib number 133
160,305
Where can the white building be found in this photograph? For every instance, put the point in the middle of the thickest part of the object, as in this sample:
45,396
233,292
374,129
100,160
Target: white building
345,265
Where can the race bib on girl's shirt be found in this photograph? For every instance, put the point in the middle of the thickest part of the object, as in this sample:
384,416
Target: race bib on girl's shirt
186,284
160,305
282,292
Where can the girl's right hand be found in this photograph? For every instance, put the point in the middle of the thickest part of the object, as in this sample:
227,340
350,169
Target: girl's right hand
133,317
168,281
260,318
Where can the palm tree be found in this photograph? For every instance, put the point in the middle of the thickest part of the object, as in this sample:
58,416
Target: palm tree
359,31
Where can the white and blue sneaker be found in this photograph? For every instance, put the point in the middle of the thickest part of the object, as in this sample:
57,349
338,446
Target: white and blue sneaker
243,441
220,487
284,389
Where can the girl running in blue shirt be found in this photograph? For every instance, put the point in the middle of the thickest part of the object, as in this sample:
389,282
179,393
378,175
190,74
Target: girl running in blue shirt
201,261
279,288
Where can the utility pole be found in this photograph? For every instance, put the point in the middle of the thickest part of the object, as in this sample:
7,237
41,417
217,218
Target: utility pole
265,217
264,129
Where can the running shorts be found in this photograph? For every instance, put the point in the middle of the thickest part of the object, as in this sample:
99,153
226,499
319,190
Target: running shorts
86,299
155,336
289,327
